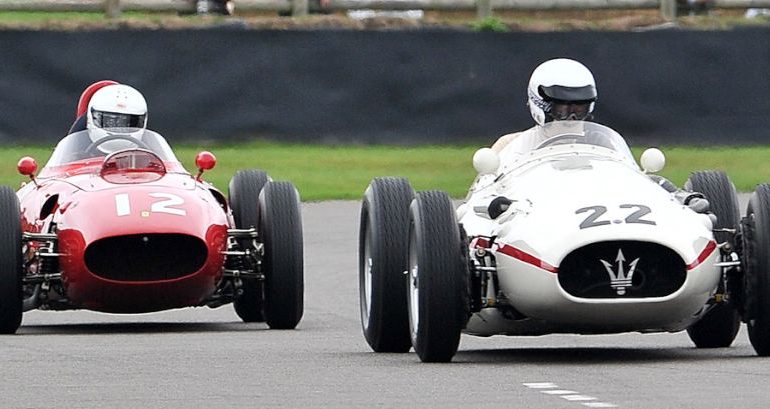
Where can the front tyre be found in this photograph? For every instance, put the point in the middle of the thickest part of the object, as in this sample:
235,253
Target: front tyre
756,268
718,328
437,278
10,262
383,235
244,190
281,233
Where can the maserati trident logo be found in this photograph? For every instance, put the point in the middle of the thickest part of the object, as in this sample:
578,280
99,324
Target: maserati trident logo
620,280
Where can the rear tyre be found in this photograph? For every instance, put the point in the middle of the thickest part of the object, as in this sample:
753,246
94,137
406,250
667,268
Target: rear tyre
281,233
10,262
718,328
756,267
244,191
383,235
437,279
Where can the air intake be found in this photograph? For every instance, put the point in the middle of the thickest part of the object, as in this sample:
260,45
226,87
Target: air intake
622,269
146,257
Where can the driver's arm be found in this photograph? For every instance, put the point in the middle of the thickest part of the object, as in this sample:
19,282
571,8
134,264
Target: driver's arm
503,141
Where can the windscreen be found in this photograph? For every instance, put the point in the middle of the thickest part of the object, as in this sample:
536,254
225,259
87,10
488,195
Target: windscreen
569,133
95,143
584,133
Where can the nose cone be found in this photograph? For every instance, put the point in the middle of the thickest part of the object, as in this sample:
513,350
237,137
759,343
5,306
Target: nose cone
140,248
134,209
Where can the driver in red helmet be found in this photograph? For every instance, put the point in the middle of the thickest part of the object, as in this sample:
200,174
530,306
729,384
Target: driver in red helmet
108,104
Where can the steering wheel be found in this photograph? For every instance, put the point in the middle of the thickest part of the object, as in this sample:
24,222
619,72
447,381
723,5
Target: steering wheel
92,147
572,137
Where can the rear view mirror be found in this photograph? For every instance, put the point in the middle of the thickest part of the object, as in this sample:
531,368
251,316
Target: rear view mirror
486,161
27,166
653,160
204,160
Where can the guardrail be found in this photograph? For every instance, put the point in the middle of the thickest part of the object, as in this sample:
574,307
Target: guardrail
484,8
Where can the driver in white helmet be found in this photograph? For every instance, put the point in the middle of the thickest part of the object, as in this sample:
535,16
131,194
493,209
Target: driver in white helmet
565,90
116,109
117,106
108,104
559,89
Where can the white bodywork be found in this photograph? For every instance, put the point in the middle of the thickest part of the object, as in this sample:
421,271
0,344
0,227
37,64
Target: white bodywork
583,188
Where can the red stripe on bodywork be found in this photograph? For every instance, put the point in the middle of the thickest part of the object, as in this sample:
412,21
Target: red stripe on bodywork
481,243
526,257
703,255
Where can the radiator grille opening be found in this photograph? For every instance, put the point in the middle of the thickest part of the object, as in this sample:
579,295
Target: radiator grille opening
622,269
146,257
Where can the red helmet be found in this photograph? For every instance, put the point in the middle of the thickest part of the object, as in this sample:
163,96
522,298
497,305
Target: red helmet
85,97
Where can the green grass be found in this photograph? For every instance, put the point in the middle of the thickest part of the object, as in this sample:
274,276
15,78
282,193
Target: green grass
323,172
493,24
74,20
44,16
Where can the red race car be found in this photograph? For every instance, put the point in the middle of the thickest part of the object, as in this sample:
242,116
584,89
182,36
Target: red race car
114,223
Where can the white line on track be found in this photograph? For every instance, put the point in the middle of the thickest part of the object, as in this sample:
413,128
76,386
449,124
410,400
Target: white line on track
550,388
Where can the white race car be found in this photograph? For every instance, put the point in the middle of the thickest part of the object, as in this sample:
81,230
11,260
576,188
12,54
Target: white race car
562,232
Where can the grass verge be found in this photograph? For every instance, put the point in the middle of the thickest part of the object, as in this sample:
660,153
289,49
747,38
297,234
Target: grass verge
323,172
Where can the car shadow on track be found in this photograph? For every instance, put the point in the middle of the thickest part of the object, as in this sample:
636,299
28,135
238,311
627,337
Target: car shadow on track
603,356
137,328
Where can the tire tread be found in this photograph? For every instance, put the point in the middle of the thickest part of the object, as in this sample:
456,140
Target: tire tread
281,230
10,262
385,212
244,189
443,301
719,327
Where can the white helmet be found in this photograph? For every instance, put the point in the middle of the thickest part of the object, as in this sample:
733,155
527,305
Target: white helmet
563,84
117,106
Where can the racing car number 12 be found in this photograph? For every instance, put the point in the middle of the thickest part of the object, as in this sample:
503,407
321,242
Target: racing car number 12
123,204
595,212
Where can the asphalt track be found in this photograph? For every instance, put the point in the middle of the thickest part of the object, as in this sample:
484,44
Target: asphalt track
204,358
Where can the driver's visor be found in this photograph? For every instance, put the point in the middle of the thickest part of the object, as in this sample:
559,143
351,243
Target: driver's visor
574,110
103,119
562,93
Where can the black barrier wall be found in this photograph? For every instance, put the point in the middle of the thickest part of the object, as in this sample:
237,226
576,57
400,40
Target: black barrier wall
656,87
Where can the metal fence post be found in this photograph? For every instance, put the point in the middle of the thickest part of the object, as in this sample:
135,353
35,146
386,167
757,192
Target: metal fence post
299,8
483,9
668,9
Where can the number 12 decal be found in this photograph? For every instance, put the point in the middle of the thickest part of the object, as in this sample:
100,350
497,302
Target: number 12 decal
123,204
164,206
596,212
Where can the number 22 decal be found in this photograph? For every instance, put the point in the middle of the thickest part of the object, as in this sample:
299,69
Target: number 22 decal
123,204
596,212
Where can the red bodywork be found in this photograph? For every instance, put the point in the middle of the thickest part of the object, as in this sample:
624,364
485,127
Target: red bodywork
108,219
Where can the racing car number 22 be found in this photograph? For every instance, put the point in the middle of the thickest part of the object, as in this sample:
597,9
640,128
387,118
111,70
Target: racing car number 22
597,211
